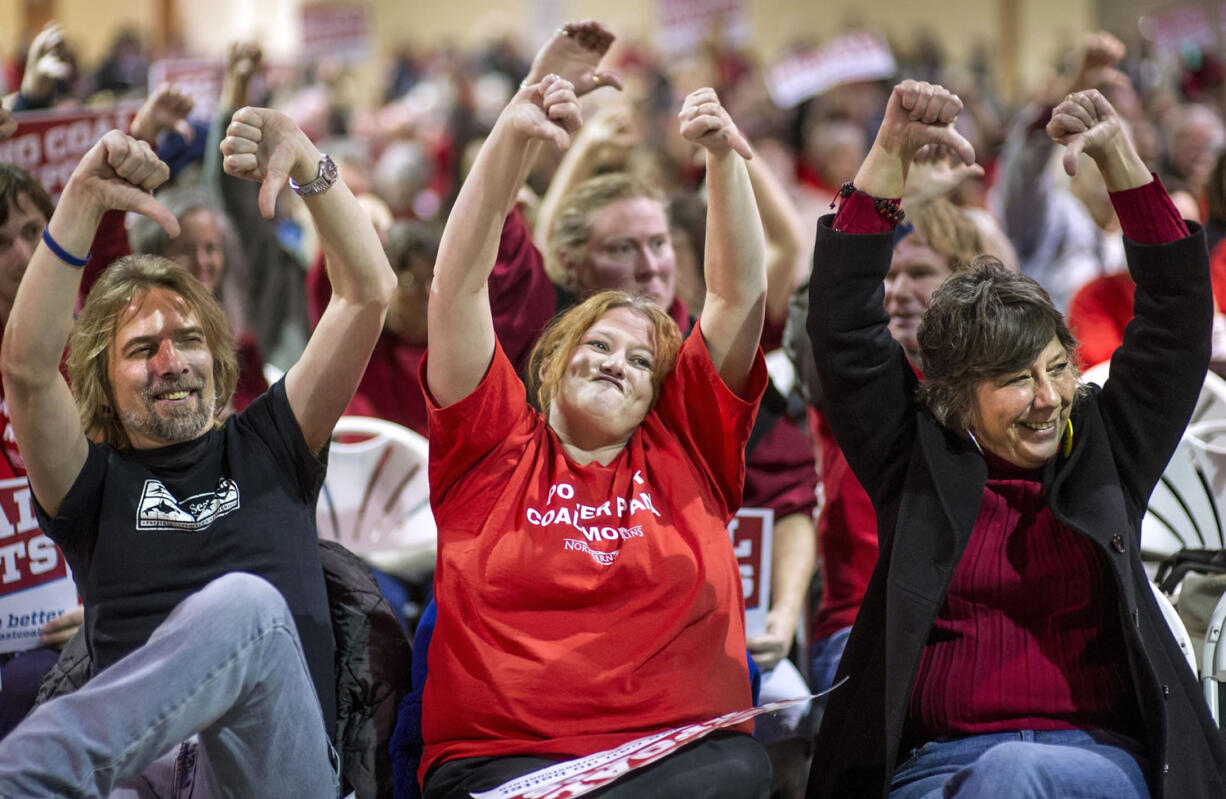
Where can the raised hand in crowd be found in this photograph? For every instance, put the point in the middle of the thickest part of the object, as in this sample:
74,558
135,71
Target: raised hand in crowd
1086,122
705,122
47,63
917,114
573,53
118,173
166,108
243,59
268,147
1097,66
545,111
936,171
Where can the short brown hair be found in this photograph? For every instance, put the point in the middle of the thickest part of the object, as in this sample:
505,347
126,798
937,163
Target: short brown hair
549,357
130,278
16,183
571,227
983,322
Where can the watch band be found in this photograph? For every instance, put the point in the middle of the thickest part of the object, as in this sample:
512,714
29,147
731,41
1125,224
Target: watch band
323,181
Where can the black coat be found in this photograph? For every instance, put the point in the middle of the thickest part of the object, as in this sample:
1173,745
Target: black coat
926,483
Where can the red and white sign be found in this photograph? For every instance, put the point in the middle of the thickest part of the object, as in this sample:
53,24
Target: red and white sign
1172,28
35,583
686,24
751,530
850,58
336,30
49,144
199,78
586,774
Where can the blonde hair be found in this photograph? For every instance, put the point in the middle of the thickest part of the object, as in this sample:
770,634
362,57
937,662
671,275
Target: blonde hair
948,230
131,278
572,224
549,357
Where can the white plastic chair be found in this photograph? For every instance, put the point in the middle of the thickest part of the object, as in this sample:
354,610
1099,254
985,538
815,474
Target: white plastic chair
376,498
1213,659
1210,405
1178,629
1186,508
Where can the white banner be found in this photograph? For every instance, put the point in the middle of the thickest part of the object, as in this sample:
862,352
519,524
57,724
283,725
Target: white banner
35,583
854,57
583,775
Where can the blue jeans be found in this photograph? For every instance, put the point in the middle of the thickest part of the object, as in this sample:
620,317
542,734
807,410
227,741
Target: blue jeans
227,666
1028,764
825,654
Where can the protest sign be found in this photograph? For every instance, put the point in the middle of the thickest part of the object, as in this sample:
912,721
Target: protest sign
49,144
35,583
751,530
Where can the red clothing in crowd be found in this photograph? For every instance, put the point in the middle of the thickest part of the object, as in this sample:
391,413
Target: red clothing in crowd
846,536
581,607
522,300
995,660
1102,309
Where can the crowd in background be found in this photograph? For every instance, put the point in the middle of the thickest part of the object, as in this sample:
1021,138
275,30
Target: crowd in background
405,160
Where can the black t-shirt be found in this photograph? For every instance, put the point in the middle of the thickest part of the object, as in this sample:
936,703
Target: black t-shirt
143,529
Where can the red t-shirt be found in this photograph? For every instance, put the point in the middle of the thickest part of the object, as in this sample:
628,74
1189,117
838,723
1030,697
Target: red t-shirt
581,607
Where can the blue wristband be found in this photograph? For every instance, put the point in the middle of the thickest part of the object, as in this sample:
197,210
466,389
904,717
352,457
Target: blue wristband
61,253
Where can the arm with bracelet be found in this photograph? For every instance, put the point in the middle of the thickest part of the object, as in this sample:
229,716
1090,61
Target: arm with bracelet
118,173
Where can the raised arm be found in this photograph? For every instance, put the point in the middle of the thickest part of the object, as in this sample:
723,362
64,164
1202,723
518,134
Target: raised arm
461,328
266,146
117,173
786,260
867,381
573,53
735,304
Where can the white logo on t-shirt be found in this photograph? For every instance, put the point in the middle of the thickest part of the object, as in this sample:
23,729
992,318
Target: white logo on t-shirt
159,510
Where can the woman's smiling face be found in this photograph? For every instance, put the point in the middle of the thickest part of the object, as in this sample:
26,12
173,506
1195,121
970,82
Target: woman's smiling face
1021,416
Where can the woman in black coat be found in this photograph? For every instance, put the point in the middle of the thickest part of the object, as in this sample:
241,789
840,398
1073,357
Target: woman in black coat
1009,644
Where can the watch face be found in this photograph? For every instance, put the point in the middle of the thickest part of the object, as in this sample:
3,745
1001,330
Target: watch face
324,179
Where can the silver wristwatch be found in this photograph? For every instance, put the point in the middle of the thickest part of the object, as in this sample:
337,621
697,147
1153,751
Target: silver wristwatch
323,179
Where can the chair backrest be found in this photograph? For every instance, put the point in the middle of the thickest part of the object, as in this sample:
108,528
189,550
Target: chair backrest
1210,406
1177,627
1213,660
1212,403
376,498
1186,509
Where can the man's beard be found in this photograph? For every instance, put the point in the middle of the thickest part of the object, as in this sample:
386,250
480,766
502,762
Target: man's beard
173,424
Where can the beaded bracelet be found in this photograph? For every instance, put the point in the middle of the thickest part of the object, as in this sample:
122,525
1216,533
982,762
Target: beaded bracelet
887,209
63,254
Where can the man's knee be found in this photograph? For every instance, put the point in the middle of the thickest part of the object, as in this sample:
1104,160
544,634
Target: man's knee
236,598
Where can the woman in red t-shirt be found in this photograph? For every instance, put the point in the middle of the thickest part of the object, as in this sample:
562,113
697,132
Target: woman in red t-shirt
586,586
